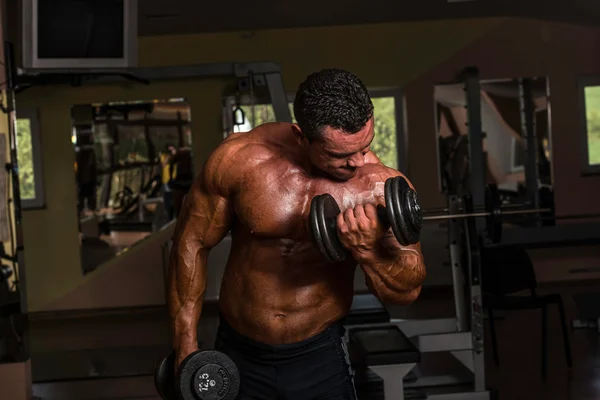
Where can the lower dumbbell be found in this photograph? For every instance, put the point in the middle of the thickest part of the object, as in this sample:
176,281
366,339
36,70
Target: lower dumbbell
402,212
164,378
203,375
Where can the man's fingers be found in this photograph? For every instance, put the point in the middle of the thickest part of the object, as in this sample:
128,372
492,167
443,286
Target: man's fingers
350,219
341,223
359,212
371,212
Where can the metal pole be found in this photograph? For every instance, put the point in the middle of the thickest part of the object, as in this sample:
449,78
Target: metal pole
474,227
473,248
151,74
455,245
528,132
278,97
401,136
477,165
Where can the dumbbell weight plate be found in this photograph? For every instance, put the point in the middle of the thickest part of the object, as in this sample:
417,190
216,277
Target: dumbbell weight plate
208,375
403,210
164,378
323,225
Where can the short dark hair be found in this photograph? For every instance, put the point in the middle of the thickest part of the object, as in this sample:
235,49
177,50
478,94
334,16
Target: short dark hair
332,97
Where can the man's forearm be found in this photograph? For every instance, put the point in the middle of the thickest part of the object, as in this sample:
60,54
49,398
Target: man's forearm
186,293
394,273
185,324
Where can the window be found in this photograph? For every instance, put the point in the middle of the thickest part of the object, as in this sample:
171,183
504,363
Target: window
388,137
29,159
590,94
385,142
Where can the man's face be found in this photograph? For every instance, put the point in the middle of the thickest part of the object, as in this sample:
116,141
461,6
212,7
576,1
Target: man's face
339,154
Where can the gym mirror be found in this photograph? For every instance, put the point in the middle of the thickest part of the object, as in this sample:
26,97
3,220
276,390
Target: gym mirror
133,166
517,138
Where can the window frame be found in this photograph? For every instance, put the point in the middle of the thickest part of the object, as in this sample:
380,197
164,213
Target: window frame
399,108
582,83
39,201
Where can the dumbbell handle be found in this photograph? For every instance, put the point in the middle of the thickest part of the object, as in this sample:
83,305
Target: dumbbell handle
401,213
381,215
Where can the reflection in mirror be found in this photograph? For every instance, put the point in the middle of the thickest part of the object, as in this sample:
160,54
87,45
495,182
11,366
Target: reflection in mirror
133,167
512,110
14,338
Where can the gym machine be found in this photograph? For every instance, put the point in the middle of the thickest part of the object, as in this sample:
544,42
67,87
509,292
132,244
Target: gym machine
254,90
463,335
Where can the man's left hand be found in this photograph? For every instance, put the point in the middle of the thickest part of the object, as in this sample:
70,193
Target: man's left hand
360,229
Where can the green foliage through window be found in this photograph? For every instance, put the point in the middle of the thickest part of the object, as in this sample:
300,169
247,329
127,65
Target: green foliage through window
592,114
384,144
25,159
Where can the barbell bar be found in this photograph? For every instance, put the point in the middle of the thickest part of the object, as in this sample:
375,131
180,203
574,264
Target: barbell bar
503,207
486,214
575,216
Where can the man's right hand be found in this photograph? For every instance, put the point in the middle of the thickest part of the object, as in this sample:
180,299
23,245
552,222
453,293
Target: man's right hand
181,354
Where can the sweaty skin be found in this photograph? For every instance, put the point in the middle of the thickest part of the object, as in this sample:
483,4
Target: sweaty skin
277,288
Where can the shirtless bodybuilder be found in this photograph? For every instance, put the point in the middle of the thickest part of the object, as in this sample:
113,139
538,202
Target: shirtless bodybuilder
280,301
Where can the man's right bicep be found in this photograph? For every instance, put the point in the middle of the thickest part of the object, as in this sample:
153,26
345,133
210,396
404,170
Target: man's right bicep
206,216
208,208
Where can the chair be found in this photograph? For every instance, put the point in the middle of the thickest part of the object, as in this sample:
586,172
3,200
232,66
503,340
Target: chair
507,271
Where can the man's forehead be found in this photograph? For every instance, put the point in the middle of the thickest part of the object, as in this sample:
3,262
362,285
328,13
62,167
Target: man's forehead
335,139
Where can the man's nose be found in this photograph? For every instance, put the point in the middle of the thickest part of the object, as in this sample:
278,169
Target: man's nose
357,160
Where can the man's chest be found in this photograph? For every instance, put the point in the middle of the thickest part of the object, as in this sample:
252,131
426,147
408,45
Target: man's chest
278,205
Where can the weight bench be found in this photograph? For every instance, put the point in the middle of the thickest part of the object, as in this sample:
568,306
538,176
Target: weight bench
387,352
366,309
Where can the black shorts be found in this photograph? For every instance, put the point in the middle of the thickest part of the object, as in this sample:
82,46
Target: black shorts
313,369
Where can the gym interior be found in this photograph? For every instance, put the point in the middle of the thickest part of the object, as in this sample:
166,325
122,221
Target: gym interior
492,112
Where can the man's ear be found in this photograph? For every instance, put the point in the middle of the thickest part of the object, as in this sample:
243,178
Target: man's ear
298,133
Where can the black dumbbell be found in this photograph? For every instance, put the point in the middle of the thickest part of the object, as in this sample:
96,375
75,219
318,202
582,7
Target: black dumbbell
203,375
402,212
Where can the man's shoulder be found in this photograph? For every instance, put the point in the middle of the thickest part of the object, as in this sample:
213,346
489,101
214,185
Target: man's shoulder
374,166
377,171
244,149
241,153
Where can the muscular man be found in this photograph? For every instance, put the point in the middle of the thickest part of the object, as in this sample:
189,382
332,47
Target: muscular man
281,302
